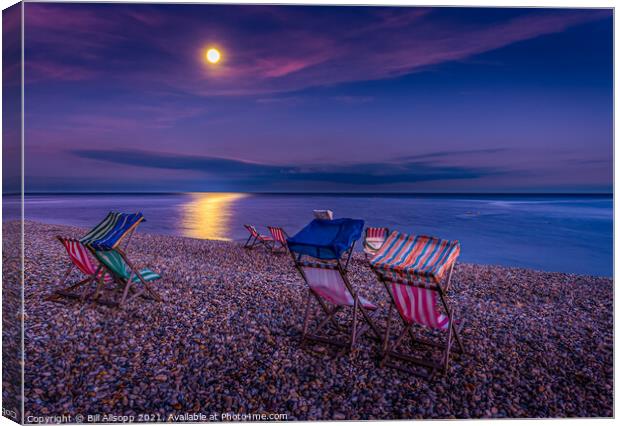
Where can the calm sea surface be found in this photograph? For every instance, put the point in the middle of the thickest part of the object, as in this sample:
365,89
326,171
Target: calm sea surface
551,233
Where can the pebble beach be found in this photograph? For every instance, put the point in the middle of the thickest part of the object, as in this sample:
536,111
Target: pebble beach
226,339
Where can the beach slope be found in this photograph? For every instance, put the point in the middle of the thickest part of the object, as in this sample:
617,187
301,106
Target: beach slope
227,340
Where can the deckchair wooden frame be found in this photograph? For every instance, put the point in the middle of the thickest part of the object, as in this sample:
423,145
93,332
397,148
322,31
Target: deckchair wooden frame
453,331
330,313
256,239
127,284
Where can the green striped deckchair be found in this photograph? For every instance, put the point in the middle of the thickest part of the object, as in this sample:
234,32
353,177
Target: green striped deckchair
124,273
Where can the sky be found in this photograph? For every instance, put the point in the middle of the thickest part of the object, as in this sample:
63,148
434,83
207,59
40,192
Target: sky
119,97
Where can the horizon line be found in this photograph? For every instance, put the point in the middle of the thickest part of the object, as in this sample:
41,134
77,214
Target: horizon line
303,193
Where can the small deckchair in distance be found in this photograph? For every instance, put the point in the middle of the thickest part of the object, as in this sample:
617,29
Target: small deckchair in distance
323,214
279,239
82,259
116,263
374,239
257,238
412,269
326,243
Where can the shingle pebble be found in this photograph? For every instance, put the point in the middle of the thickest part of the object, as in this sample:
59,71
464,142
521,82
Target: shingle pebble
227,338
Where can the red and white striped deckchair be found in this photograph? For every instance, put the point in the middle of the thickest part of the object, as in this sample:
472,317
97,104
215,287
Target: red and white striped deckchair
412,269
374,239
82,260
328,285
279,238
257,239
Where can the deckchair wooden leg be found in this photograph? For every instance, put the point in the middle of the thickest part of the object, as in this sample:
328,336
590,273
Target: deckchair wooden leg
146,285
372,325
457,334
386,338
125,292
67,292
447,353
449,282
306,316
395,346
250,243
329,317
354,332
326,309
76,285
66,276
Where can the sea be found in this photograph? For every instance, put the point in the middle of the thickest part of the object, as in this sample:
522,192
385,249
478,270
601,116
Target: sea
560,233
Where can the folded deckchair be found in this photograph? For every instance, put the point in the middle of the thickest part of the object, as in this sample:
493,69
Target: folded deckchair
109,233
318,251
82,259
323,214
127,275
412,269
257,239
279,238
374,239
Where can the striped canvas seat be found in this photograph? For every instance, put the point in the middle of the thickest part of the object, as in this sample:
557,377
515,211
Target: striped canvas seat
279,238
328,284
419,305
108,234
135,282
277,234
112,260
416,257
82,259
374,239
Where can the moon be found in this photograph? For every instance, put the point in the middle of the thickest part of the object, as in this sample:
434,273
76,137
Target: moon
213,56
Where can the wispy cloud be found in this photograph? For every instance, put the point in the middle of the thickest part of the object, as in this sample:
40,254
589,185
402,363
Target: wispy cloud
452,154
234,169
297,48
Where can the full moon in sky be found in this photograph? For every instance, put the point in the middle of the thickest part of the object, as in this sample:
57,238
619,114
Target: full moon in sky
213,56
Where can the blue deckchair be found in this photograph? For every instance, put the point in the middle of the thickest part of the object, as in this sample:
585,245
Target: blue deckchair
327,243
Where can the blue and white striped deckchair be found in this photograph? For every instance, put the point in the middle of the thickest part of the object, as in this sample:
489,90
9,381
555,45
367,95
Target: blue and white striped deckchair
108,234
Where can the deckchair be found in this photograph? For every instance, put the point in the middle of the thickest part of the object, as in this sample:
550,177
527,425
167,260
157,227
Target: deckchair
124,273
108,233
82,259
374,239
257,238
412,269
327,243
279,238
